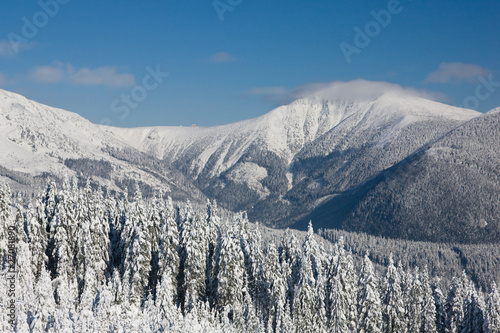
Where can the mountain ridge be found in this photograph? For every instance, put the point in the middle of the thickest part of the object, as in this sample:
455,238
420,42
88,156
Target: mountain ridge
283,167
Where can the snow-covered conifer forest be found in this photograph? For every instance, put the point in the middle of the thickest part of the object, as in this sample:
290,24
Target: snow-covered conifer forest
89,261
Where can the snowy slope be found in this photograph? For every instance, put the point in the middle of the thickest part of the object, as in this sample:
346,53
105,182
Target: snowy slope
312,148
34,137
285,130
279,167
37,139
448,191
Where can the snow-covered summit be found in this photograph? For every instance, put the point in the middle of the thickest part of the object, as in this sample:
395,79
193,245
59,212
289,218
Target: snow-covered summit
285,130
276,166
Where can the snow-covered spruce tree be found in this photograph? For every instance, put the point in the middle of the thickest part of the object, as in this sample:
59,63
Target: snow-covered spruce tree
311,248
50,201
454,303
105,311
320,318
439,302
393,307
167,313
230,278
315,253
44,307
114,216
86,321
415,304
62,251
99,227
473,320
251,245
290,253
83,258
137,265
492,311
5,219
5,326
305,298
88,256
429,306
342,295
37,235
369,304
25,277
193,260
275,284
168,258
213,223
66,310
153,229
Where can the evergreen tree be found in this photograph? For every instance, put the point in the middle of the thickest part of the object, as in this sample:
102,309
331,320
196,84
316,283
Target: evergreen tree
454,303
342,296
37,237
429,306
415,304
25,277
473,319
304,298
492,312
230,268
193,261
290,261
44,308
99,228
168,264
167,311
137,264
439,301
5,219
393,308
369,304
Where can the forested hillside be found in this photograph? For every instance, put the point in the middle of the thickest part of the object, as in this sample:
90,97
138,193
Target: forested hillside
86,261
449,191
481,262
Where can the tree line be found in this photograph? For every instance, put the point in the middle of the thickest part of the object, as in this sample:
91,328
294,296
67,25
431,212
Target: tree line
95,262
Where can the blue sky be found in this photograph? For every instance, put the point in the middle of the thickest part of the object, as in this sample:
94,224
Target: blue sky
231,60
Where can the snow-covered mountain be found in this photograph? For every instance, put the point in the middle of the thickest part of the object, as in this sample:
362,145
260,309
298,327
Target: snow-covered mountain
37,140
321,157
447,191
283,164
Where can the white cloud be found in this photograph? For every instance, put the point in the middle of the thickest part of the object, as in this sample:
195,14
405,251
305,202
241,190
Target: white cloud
456,72
103,76
51,74
351,90
221,58
8,49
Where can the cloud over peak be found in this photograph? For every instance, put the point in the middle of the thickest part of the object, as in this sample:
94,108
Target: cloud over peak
456,72
351,90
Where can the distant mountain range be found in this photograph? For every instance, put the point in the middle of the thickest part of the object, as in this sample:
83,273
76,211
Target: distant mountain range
394,165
